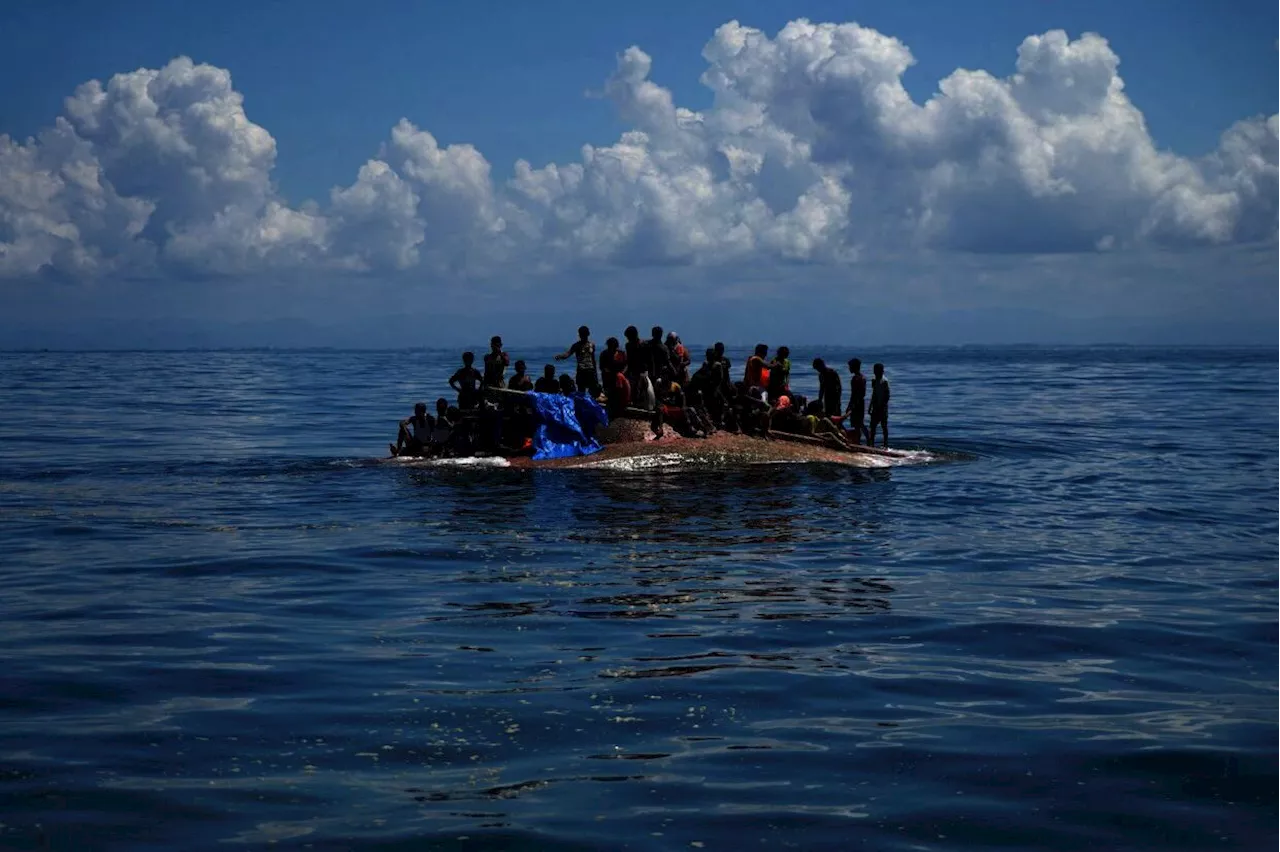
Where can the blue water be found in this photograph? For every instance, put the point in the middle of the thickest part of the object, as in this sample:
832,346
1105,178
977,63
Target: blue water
222,625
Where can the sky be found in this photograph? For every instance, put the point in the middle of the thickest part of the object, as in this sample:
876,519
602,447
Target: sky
400,173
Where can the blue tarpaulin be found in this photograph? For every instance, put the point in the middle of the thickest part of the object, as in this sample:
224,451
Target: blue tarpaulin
565,425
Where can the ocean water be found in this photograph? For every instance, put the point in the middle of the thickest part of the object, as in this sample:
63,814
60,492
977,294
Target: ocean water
224,624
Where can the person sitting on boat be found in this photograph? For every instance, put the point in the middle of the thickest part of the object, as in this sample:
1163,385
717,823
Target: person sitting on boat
754,374
783,417
879,406
829,389
750,409
680,418
855,413
822,426
642,392
585,351
415,433
566,385
466,382
708,380
446,416
708,372
780,374
696,411
495,365
617,392
547,383
462,440
520,380
684,410
488,425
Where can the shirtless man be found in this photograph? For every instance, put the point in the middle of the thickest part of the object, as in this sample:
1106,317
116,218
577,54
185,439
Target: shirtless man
520,380
857,410
879,406
828,388
495,364
415,433
466,382
753,375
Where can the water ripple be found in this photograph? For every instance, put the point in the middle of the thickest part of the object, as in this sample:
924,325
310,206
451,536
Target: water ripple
220,629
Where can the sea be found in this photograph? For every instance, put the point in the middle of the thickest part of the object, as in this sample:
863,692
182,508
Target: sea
226,622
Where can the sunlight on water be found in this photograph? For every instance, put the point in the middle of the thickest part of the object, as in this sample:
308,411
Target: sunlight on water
1048,626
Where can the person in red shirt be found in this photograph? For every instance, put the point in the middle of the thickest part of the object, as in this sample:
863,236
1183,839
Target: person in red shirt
612,360
619,393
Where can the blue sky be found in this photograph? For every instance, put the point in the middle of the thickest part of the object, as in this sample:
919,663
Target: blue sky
864,201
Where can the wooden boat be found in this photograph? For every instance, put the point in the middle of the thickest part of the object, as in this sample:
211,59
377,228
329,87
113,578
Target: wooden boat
630,442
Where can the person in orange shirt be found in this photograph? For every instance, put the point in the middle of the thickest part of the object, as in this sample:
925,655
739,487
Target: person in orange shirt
754,375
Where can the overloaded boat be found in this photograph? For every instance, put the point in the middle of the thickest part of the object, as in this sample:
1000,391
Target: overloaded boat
575,431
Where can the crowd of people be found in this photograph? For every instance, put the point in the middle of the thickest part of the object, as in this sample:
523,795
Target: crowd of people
652,379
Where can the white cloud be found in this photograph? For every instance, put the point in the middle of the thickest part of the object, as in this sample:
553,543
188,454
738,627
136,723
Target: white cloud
812,150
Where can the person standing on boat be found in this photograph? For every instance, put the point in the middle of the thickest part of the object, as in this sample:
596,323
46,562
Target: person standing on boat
443,429
708,380
780,374
726,376
856,412
520,380
724,362
754,374
658,356
585,350
495,365
829,389
612,361
879,406
618,391
466,382
637,363
679,356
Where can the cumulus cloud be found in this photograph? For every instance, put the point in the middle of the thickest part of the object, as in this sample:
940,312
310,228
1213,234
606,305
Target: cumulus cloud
811,151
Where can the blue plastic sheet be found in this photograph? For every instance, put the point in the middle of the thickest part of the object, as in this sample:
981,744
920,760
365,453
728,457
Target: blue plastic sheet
565,425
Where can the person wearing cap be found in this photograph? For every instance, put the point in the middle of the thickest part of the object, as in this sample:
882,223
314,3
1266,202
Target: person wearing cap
415,433
495,365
